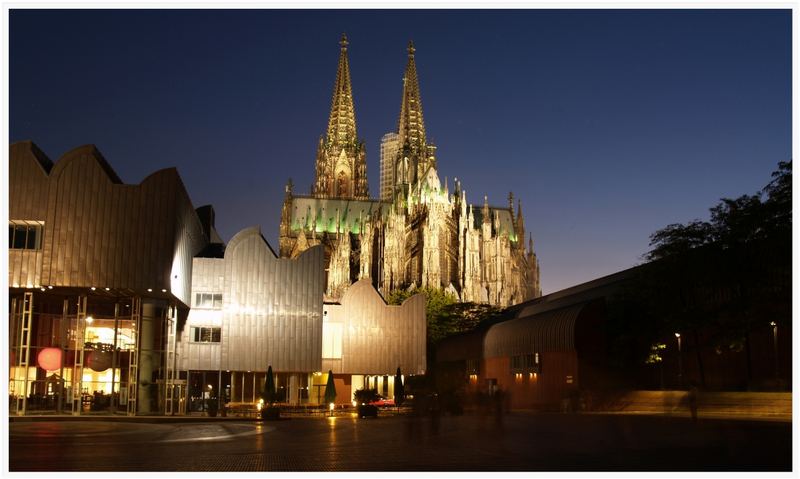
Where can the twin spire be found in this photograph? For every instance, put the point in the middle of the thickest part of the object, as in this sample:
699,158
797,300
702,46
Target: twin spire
411,126
342,121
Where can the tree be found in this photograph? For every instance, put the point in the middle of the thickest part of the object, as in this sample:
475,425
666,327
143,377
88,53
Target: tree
437,309
723,276
447,316
268,394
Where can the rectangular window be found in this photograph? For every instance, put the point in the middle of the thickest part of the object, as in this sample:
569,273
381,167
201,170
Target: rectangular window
24,236
528,360
206,335
332,334
473,366
208,300
525,363
20,232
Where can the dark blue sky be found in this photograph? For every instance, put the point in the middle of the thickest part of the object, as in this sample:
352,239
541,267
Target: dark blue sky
607,124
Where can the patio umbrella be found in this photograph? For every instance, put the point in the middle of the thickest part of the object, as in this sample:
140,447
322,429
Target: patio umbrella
399,388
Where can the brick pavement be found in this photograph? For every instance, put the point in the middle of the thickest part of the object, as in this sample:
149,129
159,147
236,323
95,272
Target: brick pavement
522,442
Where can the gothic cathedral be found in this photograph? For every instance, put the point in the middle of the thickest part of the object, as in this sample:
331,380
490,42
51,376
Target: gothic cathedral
417,233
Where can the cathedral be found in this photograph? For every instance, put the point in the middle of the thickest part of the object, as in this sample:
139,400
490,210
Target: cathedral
417,233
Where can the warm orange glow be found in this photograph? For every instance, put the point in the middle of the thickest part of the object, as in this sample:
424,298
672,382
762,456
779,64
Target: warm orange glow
49,359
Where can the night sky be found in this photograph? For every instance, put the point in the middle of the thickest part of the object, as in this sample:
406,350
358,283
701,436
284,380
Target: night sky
607,124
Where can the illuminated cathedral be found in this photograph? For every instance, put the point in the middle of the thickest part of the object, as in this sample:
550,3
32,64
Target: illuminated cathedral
418,232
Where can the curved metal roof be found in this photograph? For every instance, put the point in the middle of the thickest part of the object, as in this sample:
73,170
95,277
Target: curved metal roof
549,331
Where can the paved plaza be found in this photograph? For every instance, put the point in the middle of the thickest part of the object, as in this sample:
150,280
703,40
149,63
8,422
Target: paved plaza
520,442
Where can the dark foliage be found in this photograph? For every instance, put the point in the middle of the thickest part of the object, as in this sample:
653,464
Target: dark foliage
366,396
445,315
724,277
268,394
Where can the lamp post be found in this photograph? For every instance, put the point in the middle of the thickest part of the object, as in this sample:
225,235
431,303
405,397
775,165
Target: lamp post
775,347
680,361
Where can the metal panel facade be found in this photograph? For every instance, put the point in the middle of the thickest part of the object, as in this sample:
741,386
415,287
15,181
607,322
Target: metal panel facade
550,331
376,337
273,313
208,276
272,309
99,232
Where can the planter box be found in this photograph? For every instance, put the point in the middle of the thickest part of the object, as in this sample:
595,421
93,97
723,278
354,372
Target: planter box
271,413
367,410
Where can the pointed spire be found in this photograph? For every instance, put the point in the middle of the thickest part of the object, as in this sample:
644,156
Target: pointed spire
520,225
411,126
342,121
511,202
530,243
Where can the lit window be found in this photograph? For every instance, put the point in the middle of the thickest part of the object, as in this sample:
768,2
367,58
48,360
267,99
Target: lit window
24,236
526,363
206,335
332,335
208,300
473,366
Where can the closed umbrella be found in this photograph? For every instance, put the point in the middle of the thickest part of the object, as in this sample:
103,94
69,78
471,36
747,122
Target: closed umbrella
399,388
330,389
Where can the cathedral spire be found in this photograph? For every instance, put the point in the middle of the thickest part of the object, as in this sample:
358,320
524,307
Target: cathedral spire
342,121
520,224
341,168
411,126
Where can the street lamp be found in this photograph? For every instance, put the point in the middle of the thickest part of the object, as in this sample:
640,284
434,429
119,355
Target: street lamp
680,361
775,347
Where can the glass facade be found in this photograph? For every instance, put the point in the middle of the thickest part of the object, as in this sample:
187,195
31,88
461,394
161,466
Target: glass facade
73,354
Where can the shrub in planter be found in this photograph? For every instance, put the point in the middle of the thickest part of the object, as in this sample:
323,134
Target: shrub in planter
367,410
271,413
363,398
213,407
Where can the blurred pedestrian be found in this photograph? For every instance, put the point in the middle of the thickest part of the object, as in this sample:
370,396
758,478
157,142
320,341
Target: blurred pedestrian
435,412
692,397
498,399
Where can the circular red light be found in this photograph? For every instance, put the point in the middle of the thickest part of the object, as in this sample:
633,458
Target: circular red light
49,359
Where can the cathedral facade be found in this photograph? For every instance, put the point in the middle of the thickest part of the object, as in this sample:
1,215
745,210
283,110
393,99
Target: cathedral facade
417,233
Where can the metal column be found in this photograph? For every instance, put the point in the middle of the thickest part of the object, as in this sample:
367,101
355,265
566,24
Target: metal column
24,352
77,367
171,325
63,343
133,364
